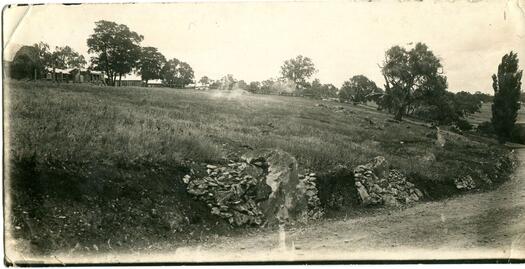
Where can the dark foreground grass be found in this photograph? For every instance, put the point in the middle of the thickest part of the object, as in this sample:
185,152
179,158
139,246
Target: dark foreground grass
97,164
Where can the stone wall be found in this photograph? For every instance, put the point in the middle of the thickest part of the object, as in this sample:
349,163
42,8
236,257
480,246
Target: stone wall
377,184
266,188
231,192
263,188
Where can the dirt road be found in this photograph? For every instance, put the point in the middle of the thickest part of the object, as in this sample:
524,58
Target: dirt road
478,225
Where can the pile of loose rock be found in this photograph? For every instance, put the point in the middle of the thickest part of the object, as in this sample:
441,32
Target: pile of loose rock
230,192
264,187
312,194
377,184
465,183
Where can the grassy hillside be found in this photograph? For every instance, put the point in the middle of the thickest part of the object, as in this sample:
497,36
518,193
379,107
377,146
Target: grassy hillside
485,114
93,163
135,125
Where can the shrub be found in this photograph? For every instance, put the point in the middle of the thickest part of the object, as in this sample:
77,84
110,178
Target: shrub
486,128
463,125
454,128
518,134
442,113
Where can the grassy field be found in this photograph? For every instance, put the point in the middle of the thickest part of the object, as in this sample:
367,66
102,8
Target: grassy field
92,164
485,114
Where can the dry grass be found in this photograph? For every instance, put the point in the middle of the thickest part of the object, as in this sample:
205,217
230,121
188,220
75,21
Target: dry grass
128,125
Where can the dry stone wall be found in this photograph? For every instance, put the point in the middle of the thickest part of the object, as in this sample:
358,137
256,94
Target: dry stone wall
230,192
314,203
377,184
465,183
266,188
262,188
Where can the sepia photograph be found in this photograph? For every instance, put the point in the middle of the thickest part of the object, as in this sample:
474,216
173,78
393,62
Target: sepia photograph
263,132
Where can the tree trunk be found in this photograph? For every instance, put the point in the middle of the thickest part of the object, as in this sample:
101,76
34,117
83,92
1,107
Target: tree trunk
119,79
399,114
110,78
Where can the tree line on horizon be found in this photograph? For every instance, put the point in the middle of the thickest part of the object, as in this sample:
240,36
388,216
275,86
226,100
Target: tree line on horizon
414,86
115,50
414,81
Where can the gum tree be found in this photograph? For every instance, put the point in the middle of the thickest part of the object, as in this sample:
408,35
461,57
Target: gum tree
298,69
150,64
410,75
177,74
116,48
357,89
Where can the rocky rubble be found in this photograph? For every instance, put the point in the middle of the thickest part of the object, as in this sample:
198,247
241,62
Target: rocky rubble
230,192
262,188
377,184
312,194
465,183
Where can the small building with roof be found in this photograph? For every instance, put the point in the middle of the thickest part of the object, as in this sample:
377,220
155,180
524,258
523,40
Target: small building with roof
74,75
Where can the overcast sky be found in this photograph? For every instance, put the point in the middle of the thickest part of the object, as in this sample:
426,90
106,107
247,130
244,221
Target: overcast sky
251,40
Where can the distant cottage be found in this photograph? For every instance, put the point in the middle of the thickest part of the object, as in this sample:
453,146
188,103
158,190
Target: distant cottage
74,75
136,80
82,75
129,80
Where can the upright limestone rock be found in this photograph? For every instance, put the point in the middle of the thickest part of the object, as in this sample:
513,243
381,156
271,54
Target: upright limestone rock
288,200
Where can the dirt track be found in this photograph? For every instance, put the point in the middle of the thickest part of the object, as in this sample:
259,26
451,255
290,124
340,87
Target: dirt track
478,225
